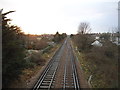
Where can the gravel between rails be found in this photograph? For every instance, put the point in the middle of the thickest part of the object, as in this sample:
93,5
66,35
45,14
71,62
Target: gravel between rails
64,71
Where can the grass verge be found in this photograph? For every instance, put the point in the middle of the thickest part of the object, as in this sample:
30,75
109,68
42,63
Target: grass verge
104,70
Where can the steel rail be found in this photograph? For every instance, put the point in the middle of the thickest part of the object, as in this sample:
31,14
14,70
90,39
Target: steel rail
39,83
76,80
65,72
73,74
43,76
47,69
52,78
49,73
74,69
64,78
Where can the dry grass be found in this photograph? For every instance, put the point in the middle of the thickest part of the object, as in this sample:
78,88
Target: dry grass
25,77
51,52
101,63
30,72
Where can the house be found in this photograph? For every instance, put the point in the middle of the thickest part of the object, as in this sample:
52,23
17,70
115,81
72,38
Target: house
96,43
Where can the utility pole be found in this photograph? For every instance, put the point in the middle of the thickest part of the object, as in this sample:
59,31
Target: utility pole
118,40
118,21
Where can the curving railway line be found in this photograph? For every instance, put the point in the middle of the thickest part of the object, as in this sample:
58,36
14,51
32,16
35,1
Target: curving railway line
61,71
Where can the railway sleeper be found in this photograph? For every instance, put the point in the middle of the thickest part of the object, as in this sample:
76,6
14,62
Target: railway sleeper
45,84
44,87
69,80
69,83
47,79
69,86
49,75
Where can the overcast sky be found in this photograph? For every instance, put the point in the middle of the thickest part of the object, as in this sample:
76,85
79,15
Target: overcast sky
49,16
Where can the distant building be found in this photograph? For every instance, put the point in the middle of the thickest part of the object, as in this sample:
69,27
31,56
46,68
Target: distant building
97,37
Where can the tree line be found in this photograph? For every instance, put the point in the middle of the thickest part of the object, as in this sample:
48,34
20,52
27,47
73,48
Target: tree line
59,37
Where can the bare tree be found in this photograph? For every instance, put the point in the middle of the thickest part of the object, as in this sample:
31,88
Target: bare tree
84,28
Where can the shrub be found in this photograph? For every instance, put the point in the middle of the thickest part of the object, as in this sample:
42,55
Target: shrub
104,58
36,59
40,44
47,49
83,42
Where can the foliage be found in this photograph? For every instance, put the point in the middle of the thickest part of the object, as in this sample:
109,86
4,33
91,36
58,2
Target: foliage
103,62
35,59
58,37
40,44
47,49
83,41
100,62
33,43
64,35
12,51
71,35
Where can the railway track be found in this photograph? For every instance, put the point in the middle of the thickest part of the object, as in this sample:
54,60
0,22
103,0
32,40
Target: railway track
69,77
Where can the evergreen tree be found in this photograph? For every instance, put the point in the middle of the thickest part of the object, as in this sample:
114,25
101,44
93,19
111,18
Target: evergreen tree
12,51
57,37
